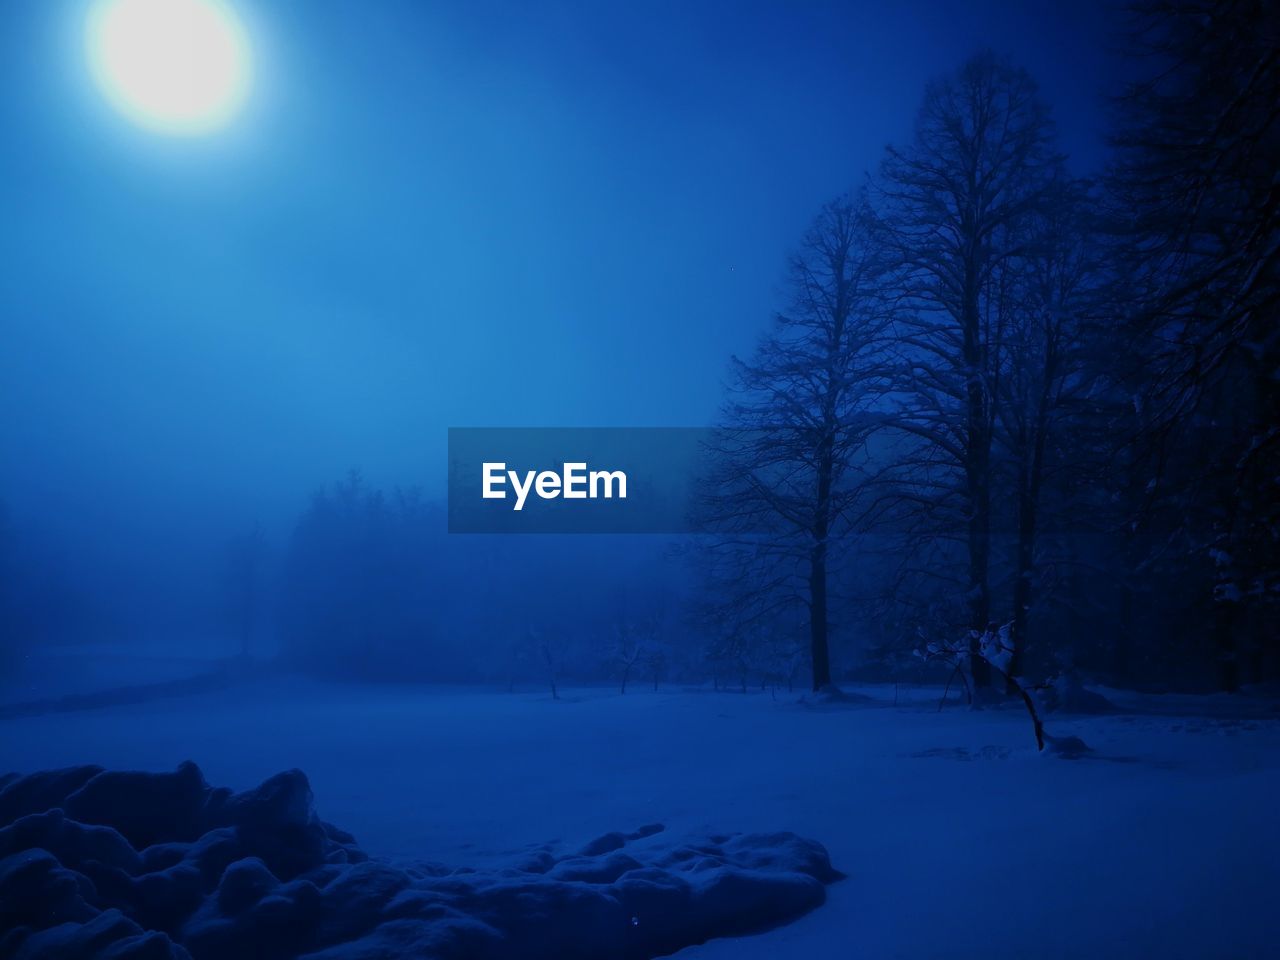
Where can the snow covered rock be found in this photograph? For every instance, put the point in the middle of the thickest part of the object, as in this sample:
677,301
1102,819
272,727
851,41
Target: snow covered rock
144,866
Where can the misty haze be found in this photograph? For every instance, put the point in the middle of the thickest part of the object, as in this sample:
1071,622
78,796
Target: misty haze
913,595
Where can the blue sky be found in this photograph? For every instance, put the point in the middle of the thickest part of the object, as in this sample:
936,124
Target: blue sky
434,215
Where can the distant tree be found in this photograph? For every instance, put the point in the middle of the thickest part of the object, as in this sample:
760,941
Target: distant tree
361,584
730,654
778,653
41,600
245,572
631,647
800,411
658,664
544,646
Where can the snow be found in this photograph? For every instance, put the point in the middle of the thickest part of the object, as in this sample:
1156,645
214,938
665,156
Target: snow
957,838
161,865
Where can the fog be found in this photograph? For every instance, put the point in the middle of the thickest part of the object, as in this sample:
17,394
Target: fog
428,218
925,353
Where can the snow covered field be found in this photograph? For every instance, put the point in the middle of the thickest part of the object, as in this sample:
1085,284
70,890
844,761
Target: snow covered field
957,839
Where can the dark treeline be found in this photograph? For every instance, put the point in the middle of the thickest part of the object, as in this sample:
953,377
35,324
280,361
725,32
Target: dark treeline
39,602
1007,419
371,586
1021,421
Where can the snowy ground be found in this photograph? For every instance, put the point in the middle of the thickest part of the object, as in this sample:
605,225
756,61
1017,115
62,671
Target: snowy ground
958,840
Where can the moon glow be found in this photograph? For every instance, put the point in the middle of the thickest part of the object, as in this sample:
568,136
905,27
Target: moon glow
179,67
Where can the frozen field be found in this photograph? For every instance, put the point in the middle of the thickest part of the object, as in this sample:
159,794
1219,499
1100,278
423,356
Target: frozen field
958,840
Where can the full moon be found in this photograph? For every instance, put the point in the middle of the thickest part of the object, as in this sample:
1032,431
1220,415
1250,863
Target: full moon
175,66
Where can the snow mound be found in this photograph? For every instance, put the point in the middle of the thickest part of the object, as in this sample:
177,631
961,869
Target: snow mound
1067,748
1067,694
146,866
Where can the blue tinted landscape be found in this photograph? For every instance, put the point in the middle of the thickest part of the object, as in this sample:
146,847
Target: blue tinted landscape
890,395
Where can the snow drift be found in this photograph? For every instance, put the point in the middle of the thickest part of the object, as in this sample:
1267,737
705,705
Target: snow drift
145,866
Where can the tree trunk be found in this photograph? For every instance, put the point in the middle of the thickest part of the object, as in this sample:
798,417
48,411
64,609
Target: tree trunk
1021,608
1028,517
819,651
977,473
1224,634
551,670
1121,653
1022,584
979,565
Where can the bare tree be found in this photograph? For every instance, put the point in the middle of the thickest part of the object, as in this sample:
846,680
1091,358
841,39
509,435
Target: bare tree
994,647
657,664
956,201
630,648
780,479
246,565
541,641
1048,386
